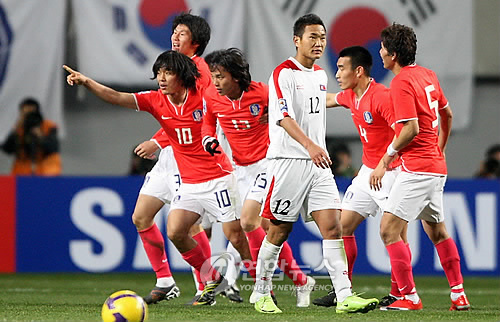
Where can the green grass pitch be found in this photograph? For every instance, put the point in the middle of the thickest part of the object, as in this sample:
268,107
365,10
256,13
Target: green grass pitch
79,297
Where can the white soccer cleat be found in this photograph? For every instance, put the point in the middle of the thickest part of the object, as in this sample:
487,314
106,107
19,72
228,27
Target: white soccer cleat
304,292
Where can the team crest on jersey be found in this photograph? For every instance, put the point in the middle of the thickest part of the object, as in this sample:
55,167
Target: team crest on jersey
368,117
254,109
282,105
322,87
197,115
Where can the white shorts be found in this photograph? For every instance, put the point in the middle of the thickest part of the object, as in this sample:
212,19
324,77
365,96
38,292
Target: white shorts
416,196
359,197
163,180
252,180
298,186
216,199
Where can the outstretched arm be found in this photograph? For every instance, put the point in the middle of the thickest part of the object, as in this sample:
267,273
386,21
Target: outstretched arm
330,100
103,92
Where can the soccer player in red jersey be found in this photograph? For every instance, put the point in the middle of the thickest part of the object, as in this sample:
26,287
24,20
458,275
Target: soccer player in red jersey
420,142
190,36
209,186
238,104
372,114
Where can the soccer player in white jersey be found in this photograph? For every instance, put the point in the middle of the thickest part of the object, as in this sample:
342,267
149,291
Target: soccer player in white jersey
208,184
299,168
372,115
423,121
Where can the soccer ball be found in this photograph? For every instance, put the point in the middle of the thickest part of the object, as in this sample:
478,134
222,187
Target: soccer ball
124,306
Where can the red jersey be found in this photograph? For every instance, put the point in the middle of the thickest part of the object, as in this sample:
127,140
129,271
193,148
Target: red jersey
161,138
417,95
373,116
239,119
182,125
205,80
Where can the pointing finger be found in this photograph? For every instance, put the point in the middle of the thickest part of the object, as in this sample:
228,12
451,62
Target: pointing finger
68,69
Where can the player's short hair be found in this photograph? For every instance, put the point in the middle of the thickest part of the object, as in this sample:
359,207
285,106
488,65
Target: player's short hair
234,62
30,101
360,56
199,27
306,20
180,64
400,40
492,151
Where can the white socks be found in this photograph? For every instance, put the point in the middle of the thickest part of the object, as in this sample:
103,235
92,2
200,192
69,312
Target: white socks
336,263
266,264
165,281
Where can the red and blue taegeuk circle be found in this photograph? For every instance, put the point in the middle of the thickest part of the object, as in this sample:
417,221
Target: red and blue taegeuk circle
358,26
156,17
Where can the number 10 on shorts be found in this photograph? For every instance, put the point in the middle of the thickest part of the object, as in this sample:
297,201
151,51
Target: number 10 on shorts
223,198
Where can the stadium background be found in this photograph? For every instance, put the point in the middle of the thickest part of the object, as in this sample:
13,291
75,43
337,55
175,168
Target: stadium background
81,222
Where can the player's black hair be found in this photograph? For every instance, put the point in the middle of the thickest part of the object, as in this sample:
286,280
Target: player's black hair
180,64
492,150
360,56
306,20
400,40
30,101
234,62
199,27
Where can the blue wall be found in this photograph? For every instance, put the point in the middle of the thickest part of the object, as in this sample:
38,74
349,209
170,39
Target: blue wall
72,224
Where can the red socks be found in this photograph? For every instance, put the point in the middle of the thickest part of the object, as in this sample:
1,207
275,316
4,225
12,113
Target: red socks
202,240
394,283
154,245
351,252
255,239
450,260
287,264
401,267
197,258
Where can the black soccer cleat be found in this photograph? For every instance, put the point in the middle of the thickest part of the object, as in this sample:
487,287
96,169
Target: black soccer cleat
328,300
232,294
387,300
162,293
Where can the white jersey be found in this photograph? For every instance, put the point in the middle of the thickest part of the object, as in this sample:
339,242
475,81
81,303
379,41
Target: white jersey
300,93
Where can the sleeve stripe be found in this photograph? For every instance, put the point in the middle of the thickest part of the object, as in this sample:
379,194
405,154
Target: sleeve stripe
136,104
405,120
276,75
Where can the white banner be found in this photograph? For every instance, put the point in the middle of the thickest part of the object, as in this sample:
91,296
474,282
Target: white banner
444,31
31,55
119,40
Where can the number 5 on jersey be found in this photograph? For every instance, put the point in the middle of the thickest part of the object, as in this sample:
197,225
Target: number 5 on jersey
433,105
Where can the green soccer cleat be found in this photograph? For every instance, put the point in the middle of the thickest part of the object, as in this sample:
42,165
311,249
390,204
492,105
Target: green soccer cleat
356,304
266,305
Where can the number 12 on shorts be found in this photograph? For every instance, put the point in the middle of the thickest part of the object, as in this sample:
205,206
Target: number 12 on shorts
282,207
